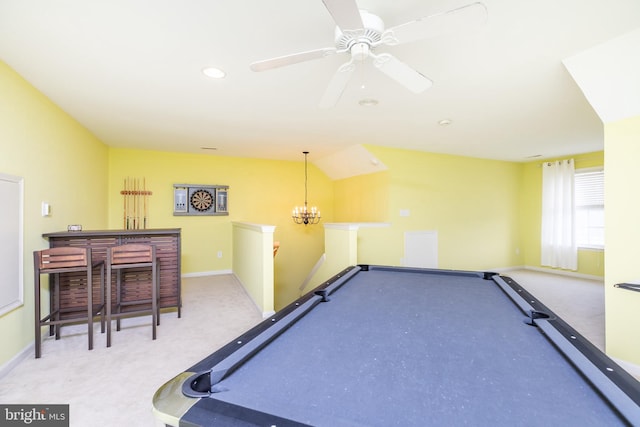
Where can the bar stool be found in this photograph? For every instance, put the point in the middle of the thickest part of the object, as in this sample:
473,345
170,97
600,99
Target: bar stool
62,260
137,288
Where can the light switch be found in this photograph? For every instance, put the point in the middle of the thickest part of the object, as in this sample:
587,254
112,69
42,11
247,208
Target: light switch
46,209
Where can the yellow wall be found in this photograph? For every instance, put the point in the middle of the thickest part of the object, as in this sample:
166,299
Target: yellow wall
472,203
260,191
486,212
363,198
62,164
622,226
590,261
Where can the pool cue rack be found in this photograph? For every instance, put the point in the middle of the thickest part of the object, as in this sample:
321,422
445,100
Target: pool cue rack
136,204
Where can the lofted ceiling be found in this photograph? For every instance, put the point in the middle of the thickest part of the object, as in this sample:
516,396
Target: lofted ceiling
130,72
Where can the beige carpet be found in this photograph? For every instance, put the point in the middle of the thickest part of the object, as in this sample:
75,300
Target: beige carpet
579,302
114,387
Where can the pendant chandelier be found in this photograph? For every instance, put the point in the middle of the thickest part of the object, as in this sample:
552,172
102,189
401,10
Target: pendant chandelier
304,214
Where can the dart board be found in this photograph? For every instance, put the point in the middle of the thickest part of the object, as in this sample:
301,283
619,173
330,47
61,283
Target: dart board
190,199
201,200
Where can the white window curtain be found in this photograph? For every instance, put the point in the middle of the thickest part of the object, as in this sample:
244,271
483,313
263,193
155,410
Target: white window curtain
559,248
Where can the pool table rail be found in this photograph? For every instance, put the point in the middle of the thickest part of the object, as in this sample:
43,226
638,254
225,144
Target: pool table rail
223,362
615,384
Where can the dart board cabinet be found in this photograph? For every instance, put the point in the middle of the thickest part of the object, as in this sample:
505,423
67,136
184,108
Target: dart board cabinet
191,199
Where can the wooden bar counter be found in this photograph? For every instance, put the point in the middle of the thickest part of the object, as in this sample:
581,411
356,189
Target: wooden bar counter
166,241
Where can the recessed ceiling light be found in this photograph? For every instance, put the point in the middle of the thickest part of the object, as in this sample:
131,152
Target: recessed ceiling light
214,73
368,102
444,122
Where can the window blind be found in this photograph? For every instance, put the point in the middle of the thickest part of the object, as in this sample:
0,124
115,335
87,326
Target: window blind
589,188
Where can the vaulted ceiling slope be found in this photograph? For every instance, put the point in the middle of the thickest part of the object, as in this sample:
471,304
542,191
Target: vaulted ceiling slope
130,71
609,76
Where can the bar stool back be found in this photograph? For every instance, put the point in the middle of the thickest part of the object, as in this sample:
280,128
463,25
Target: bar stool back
56,261
138,289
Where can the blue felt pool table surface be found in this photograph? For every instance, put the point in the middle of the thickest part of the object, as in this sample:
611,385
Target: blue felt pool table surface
411,347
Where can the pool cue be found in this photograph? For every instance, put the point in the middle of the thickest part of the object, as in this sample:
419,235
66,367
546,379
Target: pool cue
130,203
136,211
124,214
144,194
126,192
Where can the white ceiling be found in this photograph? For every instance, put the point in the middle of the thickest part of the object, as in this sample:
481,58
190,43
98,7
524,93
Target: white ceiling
130,71
609,76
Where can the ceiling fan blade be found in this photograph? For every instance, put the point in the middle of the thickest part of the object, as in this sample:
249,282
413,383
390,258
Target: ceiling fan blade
402,73
345,13
453,21
295,58
337,85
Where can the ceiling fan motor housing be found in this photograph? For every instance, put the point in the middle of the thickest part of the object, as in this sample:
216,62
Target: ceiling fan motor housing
371,33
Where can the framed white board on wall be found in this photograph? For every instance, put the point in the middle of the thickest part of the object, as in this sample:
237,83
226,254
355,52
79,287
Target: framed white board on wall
11,242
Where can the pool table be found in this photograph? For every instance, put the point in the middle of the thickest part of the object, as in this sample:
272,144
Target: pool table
394,346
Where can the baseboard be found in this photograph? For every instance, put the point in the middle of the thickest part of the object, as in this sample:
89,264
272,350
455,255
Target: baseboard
207,273
29,350
505,269
565,273
265,314
549,271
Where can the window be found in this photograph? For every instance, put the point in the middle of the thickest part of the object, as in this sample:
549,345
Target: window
589,200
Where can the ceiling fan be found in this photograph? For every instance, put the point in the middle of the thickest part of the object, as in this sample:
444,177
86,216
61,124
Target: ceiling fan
359,33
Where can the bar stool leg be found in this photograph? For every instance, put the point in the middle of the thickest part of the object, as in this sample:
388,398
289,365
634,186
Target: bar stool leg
38,335
102,296
158,289
108,292
118,298
56,303
155,319
90,306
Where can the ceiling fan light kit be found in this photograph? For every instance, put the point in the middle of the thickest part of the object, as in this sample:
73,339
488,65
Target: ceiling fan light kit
359,33
370,32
